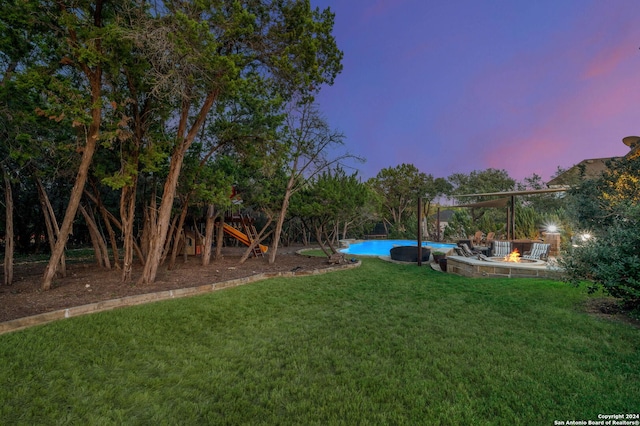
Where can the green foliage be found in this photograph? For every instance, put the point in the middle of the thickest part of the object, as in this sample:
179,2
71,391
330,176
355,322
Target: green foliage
548,203
329,203
460,226
609,209
398,190
141,73
478,182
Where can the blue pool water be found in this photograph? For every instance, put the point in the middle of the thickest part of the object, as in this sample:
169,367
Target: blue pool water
383,247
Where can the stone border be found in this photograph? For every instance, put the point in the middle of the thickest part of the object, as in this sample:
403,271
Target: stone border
139,299
475,268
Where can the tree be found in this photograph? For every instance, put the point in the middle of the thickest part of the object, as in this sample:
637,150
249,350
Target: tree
308,140
331,199
608,208
399,189
202,49
70,48
478,182
136,83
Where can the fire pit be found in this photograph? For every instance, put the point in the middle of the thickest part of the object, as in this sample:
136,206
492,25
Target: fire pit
519,262
514,258
498,267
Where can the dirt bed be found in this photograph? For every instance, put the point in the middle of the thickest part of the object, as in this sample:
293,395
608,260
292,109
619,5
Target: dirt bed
86,283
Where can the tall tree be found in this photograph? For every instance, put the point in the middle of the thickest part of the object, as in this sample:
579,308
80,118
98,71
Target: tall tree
202,49
479,182
325,202
69,75
399,189
309,143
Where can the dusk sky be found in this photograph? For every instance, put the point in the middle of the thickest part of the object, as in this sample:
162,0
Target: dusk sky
453,86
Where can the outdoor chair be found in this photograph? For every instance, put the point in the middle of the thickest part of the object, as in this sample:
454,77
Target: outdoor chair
467,251
477,238
491,236
459,251
501,248
539,251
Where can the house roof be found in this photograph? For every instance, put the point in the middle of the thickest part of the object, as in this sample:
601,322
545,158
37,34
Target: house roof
593,168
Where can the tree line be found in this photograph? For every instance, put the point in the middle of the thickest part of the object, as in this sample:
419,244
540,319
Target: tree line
155,107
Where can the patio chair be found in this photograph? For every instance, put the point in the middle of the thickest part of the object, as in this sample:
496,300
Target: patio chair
491,236
539,251
467,251
477,238
501,248
459,251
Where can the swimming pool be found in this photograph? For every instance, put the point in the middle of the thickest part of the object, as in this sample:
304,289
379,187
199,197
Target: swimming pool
382,247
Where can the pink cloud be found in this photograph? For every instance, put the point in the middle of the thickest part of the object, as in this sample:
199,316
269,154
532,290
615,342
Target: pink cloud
607,61
381,7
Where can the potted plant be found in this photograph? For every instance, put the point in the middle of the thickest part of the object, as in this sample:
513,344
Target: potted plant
440,258
437,255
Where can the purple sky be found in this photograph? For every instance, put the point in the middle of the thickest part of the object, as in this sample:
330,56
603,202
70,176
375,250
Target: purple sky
453,86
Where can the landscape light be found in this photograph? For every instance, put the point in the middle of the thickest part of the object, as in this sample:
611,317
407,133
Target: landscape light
552,228
585,237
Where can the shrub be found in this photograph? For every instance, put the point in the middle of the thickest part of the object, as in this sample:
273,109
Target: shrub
609,208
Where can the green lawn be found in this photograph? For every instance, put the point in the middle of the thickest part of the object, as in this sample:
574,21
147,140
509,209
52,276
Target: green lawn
379,344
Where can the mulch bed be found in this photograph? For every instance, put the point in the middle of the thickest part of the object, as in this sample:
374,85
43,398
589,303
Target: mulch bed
86,283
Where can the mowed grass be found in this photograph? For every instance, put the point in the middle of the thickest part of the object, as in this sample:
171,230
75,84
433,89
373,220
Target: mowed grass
380,344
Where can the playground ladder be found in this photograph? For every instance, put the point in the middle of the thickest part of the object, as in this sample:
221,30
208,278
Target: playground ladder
252,233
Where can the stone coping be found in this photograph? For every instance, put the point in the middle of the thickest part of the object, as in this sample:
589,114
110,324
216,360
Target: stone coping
517,265
139,299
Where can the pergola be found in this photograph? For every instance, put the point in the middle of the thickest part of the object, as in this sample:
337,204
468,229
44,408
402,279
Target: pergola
507,200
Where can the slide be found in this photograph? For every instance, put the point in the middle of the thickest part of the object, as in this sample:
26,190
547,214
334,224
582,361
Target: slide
241,236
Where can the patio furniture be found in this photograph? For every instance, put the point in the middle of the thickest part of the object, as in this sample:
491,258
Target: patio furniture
409,254
491,236
500,248
477,238
470,252
539,251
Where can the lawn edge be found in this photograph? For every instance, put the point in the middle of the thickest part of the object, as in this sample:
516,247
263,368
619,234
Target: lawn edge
140,299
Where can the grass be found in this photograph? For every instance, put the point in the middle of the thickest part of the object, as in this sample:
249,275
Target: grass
380,344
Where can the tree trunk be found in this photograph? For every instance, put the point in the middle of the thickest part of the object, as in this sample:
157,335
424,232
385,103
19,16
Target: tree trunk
99,246
219,238
180,235
53,231
127,215
319,233
161,225
8,241
126,228
78,186
273,250
208,235
107,223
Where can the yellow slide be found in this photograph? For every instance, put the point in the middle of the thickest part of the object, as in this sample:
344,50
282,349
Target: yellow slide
241,236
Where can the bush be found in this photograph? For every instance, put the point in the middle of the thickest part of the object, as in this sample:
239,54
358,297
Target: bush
609,208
